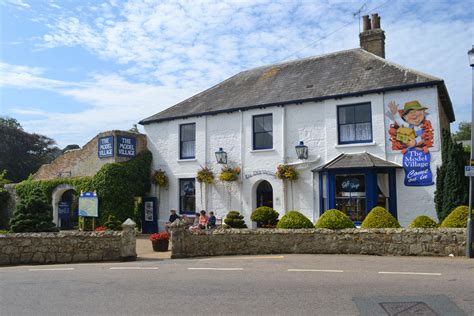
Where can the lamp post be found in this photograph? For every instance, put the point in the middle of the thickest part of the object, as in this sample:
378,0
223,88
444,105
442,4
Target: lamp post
301,150
469,251
221,156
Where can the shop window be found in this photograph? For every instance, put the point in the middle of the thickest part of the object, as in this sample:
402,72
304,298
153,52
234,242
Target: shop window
187,196
383,190
262,131
350,196
187,141
354,123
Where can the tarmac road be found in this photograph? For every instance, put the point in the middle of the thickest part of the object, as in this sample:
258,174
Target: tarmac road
244,285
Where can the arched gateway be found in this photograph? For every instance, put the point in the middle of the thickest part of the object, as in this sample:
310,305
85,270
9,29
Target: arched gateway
264,194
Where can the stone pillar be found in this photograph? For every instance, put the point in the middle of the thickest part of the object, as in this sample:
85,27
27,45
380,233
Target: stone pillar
128,251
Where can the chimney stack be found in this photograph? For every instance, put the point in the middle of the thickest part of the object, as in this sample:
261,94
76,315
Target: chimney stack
372,38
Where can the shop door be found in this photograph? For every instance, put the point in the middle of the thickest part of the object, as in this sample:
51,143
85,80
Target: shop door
265,194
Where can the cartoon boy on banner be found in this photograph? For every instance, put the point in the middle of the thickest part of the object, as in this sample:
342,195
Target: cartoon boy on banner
412,134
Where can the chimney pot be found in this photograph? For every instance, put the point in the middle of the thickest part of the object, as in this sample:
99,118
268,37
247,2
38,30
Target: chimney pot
366,22
375,21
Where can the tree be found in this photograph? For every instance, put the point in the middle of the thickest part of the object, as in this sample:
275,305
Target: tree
71,147
464,132
33,214
22,153
451,185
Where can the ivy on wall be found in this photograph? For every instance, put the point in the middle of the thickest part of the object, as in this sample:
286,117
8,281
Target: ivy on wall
116,184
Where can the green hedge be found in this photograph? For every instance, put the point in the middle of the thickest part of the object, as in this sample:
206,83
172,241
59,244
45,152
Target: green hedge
334,219
235,220
423,221
457,218
265,216
379,217
116,184
294,220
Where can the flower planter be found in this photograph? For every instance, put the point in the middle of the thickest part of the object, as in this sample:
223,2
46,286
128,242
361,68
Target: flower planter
160,245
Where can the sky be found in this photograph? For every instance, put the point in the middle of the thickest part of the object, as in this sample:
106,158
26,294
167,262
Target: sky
70,69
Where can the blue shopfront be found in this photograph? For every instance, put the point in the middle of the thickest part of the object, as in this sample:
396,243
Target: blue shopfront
356,183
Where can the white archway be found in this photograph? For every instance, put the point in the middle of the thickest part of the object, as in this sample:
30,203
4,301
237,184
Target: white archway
56,197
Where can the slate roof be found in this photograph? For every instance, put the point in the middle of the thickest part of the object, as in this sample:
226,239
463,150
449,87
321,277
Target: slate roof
360,160
340,74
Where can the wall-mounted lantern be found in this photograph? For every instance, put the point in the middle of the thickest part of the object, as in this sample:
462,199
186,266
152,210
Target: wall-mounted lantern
221,156
301,150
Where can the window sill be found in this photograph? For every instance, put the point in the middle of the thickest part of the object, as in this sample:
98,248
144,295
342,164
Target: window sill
187,160
262,150
355,145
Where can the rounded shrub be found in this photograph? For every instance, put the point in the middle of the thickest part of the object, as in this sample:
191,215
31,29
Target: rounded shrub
294,220
265,216
379,217
457,218
235,220
423,221
334,219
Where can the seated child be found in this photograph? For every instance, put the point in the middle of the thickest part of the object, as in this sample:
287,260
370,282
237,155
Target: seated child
211,223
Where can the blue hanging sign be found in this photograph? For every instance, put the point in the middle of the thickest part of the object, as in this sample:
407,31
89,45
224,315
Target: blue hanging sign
126,146
88,204
417,168
106,147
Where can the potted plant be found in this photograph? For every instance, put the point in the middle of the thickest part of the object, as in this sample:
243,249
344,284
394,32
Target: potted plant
160,241
287,172
229,174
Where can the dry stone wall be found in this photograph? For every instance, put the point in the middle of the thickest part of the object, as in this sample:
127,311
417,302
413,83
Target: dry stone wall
67,247
396,242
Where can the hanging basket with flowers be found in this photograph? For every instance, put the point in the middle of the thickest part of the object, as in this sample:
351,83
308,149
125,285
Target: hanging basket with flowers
159,177
286,172
160,241
229,174
205,175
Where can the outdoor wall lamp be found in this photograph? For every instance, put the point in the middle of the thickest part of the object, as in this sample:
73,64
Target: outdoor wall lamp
221,156
301,150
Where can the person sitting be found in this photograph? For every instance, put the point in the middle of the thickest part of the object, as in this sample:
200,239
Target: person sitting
196,223
211,223
203,219
172,219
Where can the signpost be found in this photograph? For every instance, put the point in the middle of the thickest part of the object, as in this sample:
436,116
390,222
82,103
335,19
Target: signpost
126,146
88,207
106,147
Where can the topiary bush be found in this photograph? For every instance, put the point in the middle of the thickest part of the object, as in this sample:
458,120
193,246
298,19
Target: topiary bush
294,220
235,220
265,216
423,221
457,218
334,219
113,223
379,217
33,214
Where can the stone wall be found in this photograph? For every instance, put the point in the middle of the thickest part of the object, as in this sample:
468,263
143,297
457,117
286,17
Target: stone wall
396,242
67,247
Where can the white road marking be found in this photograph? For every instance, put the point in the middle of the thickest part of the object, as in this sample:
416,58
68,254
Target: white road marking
133,268
314,270
245,258
52,269
218,269
409,273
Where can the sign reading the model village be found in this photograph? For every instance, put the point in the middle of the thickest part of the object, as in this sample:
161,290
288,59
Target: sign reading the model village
258,173
412,130
126,146
106,147
417,168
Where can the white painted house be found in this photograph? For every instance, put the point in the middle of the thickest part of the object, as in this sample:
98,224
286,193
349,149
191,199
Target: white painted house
372,129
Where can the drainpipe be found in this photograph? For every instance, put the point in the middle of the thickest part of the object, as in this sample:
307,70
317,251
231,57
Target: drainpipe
242,161
283,154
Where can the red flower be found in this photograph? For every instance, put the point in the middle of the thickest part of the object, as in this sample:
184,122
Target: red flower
100,229
160,236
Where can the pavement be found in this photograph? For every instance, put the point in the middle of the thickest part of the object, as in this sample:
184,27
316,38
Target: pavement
145,249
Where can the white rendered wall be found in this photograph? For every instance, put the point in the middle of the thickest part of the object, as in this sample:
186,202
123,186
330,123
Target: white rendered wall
315,123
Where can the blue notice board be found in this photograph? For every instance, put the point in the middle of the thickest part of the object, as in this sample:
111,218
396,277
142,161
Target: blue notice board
106,147
64,209
88,204
126,146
